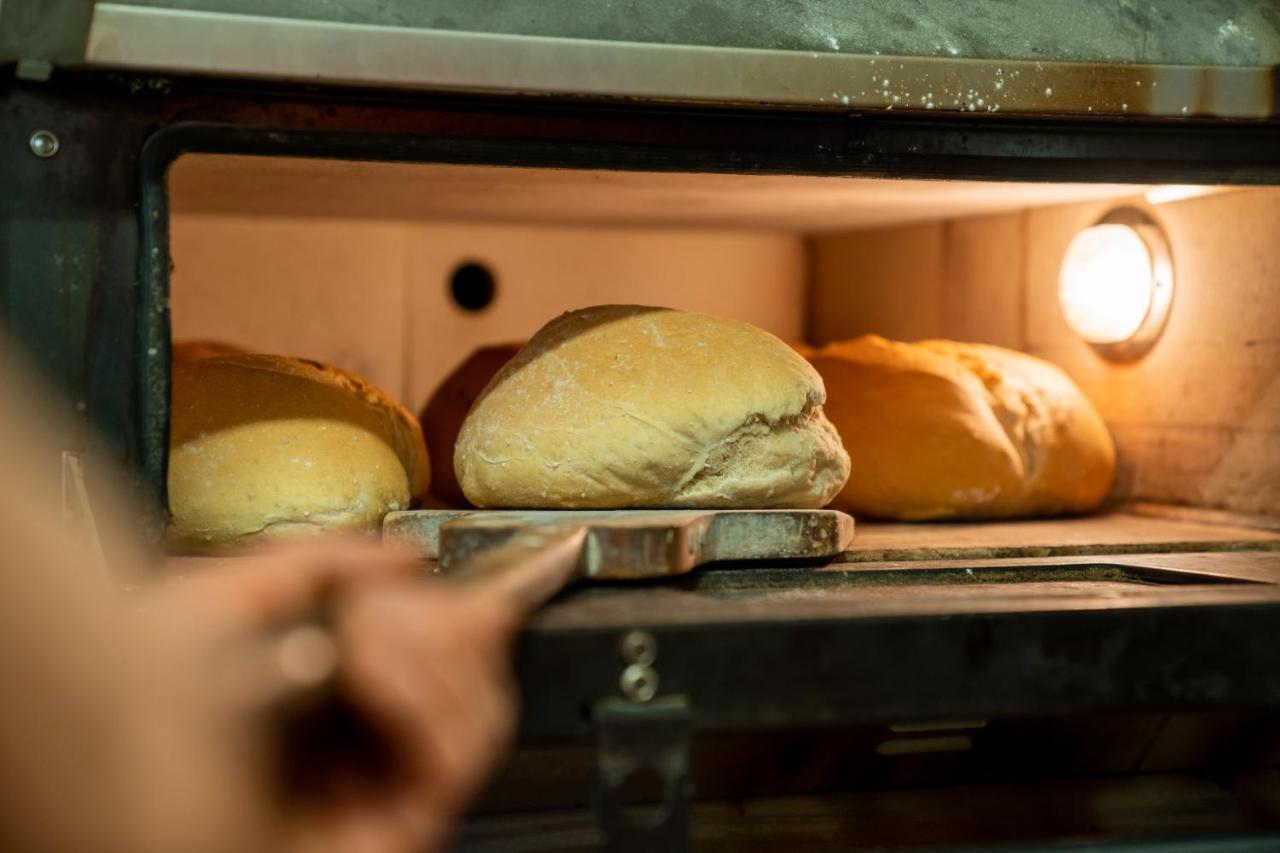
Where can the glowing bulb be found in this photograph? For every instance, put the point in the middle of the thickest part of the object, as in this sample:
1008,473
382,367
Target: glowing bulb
1107,283
1116,284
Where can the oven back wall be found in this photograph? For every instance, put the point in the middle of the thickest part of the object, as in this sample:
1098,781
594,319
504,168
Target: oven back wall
1197,421
372,295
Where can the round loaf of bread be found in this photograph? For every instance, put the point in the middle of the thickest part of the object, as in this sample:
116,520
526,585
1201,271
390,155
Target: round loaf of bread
940,429
264,446
625,406
445,412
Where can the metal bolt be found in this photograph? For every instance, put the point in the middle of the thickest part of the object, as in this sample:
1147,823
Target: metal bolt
639,647
44,144
639,683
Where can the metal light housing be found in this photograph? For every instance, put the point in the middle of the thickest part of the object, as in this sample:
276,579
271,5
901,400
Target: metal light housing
1115,287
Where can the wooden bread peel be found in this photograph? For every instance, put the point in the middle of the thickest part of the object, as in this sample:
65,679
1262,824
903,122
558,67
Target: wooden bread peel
531,555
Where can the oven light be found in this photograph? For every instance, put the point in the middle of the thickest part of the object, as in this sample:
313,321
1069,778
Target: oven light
1106,283
1116,284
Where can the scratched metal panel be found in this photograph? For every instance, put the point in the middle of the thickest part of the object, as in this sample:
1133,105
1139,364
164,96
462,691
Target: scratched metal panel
888,77
1161,32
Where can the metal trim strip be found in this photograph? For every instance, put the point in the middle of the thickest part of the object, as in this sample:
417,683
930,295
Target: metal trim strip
180,41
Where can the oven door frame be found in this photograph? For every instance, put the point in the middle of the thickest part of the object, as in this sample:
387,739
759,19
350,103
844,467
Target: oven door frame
85,294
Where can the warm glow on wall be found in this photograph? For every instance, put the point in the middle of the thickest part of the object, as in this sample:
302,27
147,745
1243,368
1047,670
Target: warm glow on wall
1116,284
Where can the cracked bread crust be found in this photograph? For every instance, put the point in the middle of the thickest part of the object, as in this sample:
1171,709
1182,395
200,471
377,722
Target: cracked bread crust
265,446
623,406
941,429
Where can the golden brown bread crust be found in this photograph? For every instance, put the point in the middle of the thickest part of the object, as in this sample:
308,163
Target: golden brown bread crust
444,413
264,445
627,406
940,429
195,350
448,406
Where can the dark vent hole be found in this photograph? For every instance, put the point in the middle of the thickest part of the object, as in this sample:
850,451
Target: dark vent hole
472,286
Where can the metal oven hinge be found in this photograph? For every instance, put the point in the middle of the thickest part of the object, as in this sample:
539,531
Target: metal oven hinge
642,787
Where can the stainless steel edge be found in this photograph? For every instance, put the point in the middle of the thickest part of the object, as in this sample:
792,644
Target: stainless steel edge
178,41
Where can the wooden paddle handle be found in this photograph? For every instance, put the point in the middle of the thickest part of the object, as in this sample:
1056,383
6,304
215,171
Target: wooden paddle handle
528,569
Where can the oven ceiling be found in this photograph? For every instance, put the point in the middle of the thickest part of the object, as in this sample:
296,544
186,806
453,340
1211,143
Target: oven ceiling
270,186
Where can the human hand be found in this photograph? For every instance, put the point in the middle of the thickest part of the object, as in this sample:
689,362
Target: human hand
425,664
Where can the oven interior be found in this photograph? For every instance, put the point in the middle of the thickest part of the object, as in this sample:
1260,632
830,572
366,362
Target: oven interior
365,264
400,271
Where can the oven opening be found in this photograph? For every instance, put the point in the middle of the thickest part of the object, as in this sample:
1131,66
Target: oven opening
426,279
412,275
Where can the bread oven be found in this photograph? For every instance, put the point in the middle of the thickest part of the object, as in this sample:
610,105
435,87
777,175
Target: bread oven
392,194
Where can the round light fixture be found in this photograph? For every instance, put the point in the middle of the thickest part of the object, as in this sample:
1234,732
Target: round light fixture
1115,287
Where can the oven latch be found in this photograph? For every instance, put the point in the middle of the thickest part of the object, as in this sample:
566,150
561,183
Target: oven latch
642,787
